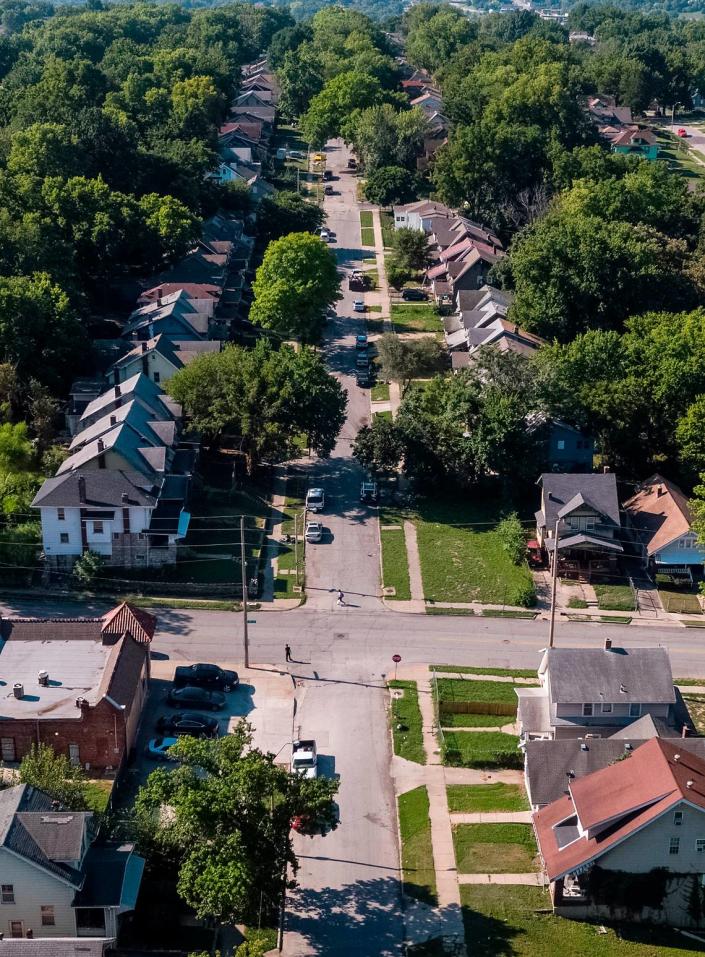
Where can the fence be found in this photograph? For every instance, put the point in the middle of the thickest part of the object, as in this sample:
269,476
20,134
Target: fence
477,707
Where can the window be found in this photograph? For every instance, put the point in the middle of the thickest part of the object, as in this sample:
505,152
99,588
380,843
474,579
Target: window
47,911
64,538
97,528
587,710
7,893
61,514
606,707
634,710
16,928
678,818
674,846
156,378
7,749
560,444
700,845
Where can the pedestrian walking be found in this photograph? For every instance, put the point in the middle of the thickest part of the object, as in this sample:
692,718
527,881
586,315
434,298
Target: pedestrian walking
341,598
287,651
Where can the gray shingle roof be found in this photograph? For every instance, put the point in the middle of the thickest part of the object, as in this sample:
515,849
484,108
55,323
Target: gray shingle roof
620,675
138,386
104,489
599,489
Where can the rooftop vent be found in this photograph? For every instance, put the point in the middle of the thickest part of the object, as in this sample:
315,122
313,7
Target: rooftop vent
584,747
628,746
43,678
689,784
622,689
18,690
676,757
81,703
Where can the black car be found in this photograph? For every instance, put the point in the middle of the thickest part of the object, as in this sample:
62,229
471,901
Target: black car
196,698
413,295
205,676
363,377
327,174
189,722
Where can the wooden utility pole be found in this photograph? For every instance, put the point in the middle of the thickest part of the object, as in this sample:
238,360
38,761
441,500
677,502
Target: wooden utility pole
296,546
554,581
243,564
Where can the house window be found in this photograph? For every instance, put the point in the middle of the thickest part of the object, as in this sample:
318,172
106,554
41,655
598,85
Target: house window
7,749
700,845
97,528
64,538
560,444
156,378
7,893
674,845
74,755
678,818
606,707
61,514
16,928
587,710
635,710
47,911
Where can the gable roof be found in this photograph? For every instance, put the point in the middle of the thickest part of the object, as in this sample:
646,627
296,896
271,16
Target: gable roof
560,487
660,513
104,489
138,386
127,619
616,802
629,675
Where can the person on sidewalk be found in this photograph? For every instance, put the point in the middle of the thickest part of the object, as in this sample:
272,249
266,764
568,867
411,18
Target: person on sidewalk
287,652
341,599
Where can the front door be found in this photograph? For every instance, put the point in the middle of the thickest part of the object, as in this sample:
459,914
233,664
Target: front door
74,755
16,929
7,749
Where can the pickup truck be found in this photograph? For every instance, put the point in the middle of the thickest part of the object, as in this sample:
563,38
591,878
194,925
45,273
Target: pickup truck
304,758
205,676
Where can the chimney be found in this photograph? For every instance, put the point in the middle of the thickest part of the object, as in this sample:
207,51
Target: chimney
117,391
101,456
606,469
684,731
660,491
608,644
113,420
144,347
82,489
18,690
43,678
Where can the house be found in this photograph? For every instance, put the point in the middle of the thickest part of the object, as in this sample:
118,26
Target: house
582,512
418,215
597,691
661,521
567,449
204,297
159,358
139,389
429,102
57,881
628,841
174,315
603,111
633,140
77,685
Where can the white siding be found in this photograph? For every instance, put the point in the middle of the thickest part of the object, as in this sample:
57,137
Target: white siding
53,527
649,847
34,887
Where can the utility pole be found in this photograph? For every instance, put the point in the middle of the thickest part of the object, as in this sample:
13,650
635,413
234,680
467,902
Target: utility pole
554,580
296,545
243,564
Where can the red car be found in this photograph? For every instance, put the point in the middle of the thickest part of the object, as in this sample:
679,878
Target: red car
534,554
683,132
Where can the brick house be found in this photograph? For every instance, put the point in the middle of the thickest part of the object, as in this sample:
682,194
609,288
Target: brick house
75,684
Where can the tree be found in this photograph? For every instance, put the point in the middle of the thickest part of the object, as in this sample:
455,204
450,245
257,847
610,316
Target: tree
300,78
378,447
435,40
690,436
333,106
16,450
410,248
87,568
402,360
228,833
287,212
383,136
170,227
295,283
264,398
389,185
54,774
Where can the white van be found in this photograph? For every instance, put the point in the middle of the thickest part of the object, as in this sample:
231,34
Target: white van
315,500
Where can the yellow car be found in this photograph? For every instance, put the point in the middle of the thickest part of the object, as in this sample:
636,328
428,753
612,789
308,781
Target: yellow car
319,157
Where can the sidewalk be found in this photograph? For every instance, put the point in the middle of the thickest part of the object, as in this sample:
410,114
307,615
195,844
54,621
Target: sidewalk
535,879
491,817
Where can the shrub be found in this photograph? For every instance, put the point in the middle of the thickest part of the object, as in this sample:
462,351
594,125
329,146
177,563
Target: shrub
397,274
525,595
511,534
88,568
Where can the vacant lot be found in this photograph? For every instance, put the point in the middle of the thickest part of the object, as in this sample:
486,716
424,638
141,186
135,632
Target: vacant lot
405,717
477,798
679,601
481,749
494,848
419,317
395,567
503,922
615,597
459,689
416,848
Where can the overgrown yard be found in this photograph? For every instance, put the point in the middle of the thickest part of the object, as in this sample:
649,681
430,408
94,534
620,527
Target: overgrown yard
395,566
502,921
481,749
494,848
696,706
416,847
463,557
499,672
679,601
386,218
380,392
449,720
477,798
421,317
615,597
461,689
405,717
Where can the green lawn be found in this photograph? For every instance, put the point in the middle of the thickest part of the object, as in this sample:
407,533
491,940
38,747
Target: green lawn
460,689
502,921
679,601
481,749
286,557
477,798
366,218
408,742
395,567
462,563
387,221
450,720
614,597
499,672
380,392
416,847
696,706
416,317
386,414
367,236
676,152
494,848
98,794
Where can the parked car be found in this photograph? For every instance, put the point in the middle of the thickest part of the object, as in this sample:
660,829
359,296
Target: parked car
683,132
304,758
189,722
362,361
361,341
352,163
190,697
368,493
358,305
205,676
363,378
534,555
158,749
413,295
328,190
327,174
324,235
296,155
314,532
319,157
315,500
358,282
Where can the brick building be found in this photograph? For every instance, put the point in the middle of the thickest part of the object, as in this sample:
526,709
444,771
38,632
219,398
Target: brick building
75,684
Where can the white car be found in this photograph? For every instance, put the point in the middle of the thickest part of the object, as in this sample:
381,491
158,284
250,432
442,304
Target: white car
358,305
324,235
314,532
304,758
315,500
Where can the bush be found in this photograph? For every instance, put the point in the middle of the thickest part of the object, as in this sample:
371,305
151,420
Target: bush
88,568
524,596
511,533
397,274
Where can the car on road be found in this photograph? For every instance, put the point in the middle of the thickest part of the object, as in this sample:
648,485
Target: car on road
361,342
314,532
189,722
413,295
363,378
324,235
362,361
304,758
190,697
315,500
683,132
205,676
158,749
328,190
368,493
319,157
352,163
358,305
327,174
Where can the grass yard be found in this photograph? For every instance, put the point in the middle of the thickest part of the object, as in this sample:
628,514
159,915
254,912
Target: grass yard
457,612
385,414
501,921
481,749
366,218
696,706
286,558
380,392
461,563
679,156
614,597
417,317
416,847
499,672
477,798
98,794
679,601
386,218
408,743
450,720
395,566
494,848
459,689
367,236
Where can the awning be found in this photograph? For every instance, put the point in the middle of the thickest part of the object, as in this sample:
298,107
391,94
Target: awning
584,541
